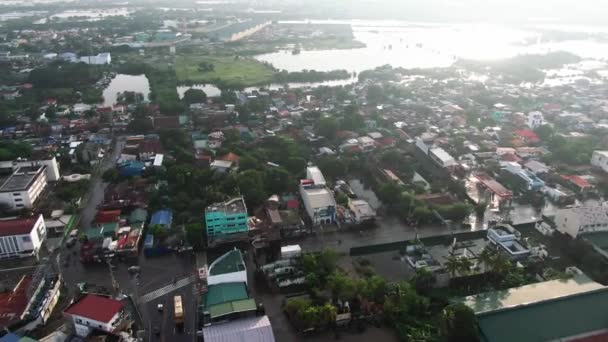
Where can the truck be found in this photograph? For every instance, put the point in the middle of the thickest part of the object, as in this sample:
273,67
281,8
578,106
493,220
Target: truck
179,311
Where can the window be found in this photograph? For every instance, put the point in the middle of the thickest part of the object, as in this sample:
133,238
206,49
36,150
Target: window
19,205
18,200
16,194
26,239
78,320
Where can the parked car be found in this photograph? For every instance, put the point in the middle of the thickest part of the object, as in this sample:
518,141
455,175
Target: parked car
71,242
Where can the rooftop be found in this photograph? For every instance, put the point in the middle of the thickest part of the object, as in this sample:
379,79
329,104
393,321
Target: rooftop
22,226
95,307
544,311
254,329
22,178
162,217
13,303
228,263
225,292
231,207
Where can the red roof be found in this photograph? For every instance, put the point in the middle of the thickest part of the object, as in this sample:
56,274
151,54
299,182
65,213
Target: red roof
230,157
510,157
599,337
95,307
527,134
386,141
108,216
578,181
13,303
17,226
293,204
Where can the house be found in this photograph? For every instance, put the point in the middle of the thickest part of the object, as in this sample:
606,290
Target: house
362,211
600,159
226,218
107,216
130,168
442,158
222,166
507,240
555,310
536,167
59,222
318,201
99,59
13,303
527,136
165,122
578,183
580,220
526,178
21,188
366,144
21,237
94,312
535,120
162,218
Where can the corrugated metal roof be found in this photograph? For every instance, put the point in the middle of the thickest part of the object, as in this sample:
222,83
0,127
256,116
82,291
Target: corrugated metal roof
255,329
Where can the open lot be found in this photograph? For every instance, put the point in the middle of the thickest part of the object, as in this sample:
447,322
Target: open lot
228,70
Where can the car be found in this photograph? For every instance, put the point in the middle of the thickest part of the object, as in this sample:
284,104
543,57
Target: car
71,242
74,233
160,307
134,269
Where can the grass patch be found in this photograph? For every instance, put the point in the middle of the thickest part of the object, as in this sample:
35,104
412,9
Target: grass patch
229,71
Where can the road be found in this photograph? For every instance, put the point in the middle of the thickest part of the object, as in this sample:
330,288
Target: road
164,320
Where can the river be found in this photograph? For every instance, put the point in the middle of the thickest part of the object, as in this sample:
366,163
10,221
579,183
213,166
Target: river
424,45
122,83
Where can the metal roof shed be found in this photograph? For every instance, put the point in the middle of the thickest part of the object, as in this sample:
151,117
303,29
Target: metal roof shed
255,329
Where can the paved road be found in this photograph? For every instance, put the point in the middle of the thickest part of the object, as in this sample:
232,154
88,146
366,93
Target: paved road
164,320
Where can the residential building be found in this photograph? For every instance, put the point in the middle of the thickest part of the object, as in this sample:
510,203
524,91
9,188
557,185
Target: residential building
95,312
21,237
525,177
226,218
99,59
535,119
580,220
600,159
163,218
441,157
228,268
507,240
13,303
52,166
318,201
555,310
366,143
362,211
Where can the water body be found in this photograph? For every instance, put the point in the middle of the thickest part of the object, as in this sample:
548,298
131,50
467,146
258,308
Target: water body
122,83
424,45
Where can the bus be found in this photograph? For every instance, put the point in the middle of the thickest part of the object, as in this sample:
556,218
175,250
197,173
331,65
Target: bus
179,310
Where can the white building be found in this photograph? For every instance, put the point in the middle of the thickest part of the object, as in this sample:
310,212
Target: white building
579,220
362,210
21,237
99,59
366,143
535,120
95,312
506,239
600,159
23,187
441,157
52,166
318,201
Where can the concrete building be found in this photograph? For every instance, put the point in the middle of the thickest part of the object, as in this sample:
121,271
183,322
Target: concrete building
95,312
318,201
507,240
527,178
580,220
226,218
362,211
535,119
23,187
366,144
437,154
600,159
52,166
21,237
556,310
99,59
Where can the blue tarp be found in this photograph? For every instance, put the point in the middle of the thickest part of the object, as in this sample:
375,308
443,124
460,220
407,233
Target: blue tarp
10,337
149,242
131,168
162,217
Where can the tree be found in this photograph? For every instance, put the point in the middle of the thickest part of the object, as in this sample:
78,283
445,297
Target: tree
459,324
278,180
251,184
342,287
452,265
375,94
194,96
422,214
111,175
342,199
423,280
332,167
327,127
194,234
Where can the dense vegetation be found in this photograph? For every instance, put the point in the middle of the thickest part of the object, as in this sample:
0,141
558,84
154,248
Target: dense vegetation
284,76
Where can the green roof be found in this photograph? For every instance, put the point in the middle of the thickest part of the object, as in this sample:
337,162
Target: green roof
105,230
225,292
231,307
558,311
228,263
138,215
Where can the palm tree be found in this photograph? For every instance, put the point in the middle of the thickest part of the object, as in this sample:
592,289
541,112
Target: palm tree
464,265
487,257
453,265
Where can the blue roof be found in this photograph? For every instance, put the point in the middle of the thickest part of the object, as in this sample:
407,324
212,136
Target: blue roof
10,337
162,217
